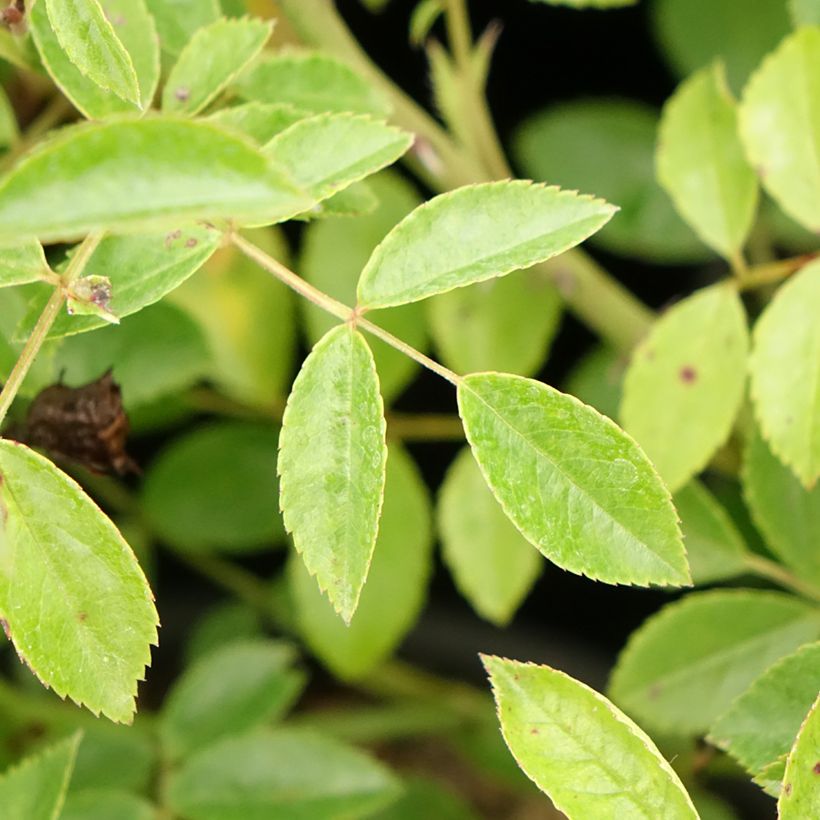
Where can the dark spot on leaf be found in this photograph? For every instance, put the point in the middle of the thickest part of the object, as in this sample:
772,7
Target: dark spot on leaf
688,374
516,677
564,280
183,93
191,243
654,691
171,237
534,731
787,789
82,616
816,768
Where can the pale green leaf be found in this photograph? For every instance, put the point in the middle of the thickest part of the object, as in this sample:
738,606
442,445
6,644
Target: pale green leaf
356,200
231,690
771,777
805,12
77,605
178,20
503,324
685,665
105,804
17,50
493,565
422,19
596,380
761,725
701,164
785,373
211,60
686,381
136,30
573,483
153,353
396,584
328,152
500,227
780,125
233,300
141,268
260,121
589,4
111,756
36,788
313,82
9,129
589,757
800,796
214,489
693,33
90,42
785,512
714,546
332,465
290,774
20,264
608,146
333,255
140,175
422,797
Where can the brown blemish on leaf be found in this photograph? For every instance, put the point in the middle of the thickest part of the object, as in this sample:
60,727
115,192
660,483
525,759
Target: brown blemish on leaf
654,691
169,239
688,374
787,789
534,731
816,767
191,243
183,93
82,617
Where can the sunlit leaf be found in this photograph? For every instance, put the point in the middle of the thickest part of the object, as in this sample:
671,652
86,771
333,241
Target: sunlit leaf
588,756
22,263
77,605
210,61
800,797
780,125
501,227
493,565
332,465
140,175
573,483
686,381
396,584
685,665
701,163
260,121
784,365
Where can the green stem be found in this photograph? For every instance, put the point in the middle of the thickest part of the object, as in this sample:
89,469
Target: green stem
44,323
426,427
595,297
772,571
336,308
761,275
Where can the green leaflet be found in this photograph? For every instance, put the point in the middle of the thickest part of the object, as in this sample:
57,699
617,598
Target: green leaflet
761,725
9,129
20,264
686,664
686,381
233,300
222,623
36,788
210,61
701,164
173,170
499,226
423,797
785,512
111,756
800,797
492,564
332,457
780,125
179,20
596,380
573,483
231,690
396,584
326,153
260,121
154,353
785,370
714,546
312,82
805,12
502,324
589,757
608,146
211,490
104,804
77,605
693,33
90,42
334,251
287,773
142,268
